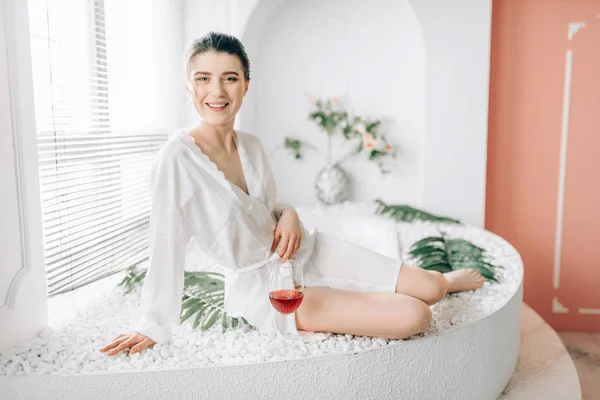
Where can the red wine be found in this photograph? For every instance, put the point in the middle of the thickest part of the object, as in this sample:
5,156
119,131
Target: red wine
286,301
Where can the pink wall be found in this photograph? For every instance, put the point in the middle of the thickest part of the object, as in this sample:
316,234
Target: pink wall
543,177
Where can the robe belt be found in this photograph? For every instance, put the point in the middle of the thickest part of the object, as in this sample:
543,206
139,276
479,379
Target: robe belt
253,266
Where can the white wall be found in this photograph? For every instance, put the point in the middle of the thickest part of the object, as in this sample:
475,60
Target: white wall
23,306
320,48
457,37
442,170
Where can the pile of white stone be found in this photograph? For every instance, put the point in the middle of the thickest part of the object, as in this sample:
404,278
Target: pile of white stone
70,345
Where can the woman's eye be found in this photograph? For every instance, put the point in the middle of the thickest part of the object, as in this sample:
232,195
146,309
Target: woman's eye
230,79
202,78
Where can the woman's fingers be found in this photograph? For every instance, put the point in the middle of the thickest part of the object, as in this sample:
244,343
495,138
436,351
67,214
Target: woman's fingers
276,238
126,344
296,245
142,345
290,248
283,244
115,342
135,341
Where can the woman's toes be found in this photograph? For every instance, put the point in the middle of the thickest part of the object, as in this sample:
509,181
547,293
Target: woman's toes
467,279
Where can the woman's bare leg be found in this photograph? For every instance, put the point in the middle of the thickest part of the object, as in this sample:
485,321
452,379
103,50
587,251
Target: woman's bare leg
389,315
432,286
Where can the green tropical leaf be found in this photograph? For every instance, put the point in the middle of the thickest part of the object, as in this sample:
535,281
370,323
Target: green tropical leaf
187,304
440,267
438,253
406,213
224,325
133,278
430,240
203,297
210,321
199,317
196,307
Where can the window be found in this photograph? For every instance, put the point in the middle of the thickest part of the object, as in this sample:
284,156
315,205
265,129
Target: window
100,92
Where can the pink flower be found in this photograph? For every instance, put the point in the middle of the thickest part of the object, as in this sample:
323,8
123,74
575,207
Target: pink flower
367,137
313,101
388,148
335,100
369,144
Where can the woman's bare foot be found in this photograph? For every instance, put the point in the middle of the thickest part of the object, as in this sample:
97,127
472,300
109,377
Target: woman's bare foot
464,279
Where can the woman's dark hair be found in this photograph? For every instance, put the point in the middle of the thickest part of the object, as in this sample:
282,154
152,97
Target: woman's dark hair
221,43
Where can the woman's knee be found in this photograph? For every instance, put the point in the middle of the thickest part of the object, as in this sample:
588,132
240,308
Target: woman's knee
415,318
422,317
436,288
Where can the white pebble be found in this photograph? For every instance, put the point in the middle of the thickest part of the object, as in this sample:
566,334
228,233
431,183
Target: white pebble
180,342
88,368
60,360
21,350
55,347
27,367
43,366
49,357
40,341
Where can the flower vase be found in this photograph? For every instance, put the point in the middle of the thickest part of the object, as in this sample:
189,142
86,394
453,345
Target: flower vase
332,185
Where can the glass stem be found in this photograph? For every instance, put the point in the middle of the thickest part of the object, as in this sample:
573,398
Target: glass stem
285,327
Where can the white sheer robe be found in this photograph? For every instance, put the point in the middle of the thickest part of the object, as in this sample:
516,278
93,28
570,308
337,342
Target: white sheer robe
190,196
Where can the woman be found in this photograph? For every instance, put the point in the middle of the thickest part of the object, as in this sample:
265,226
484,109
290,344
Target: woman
214,183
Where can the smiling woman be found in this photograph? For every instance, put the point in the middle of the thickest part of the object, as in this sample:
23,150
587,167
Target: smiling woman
214,183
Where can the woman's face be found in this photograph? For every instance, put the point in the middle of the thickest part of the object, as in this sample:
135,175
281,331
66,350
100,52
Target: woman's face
219,86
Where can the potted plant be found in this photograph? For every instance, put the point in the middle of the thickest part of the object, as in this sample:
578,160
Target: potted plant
332,182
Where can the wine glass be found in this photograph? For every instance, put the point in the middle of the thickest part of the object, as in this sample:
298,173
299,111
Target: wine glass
286,286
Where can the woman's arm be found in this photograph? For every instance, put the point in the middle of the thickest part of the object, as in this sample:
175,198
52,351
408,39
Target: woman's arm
160,301
288,233
266,175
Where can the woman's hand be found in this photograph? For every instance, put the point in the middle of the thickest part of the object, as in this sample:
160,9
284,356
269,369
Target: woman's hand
136,341
289,232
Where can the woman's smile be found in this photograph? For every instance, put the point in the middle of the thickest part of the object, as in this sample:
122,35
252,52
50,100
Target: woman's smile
217,106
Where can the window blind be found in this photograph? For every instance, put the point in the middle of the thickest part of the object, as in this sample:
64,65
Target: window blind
93,177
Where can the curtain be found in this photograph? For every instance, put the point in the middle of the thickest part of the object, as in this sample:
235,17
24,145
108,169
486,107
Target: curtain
106,75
